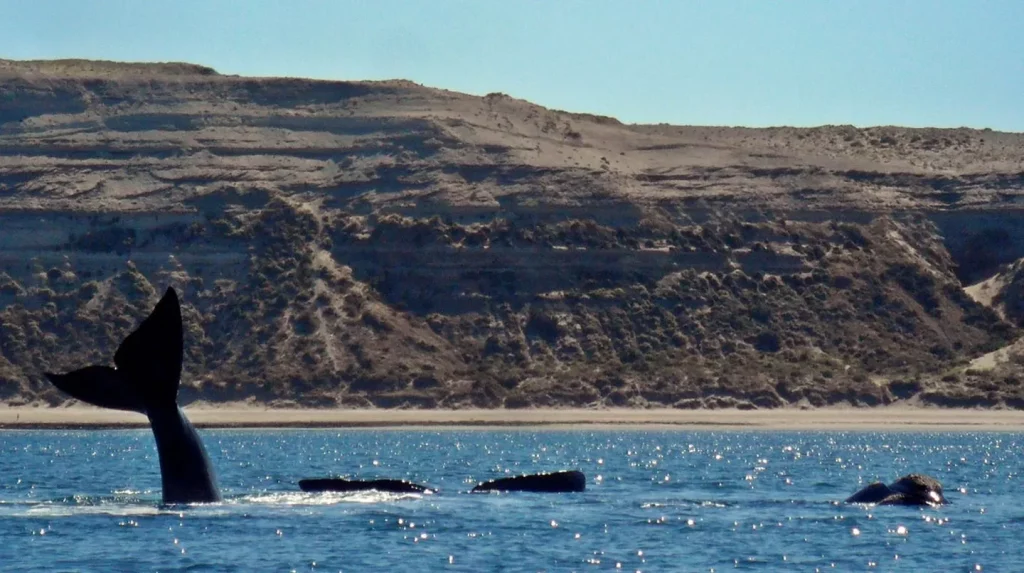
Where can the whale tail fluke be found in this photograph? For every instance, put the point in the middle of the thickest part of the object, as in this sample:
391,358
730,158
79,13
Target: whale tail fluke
151,356
146,380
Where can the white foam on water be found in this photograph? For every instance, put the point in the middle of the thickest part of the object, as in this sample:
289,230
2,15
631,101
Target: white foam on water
324,498
47,509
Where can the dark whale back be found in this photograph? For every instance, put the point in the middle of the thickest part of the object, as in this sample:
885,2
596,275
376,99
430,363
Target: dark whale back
911,489
345,485
872,493
920,486
146,380
555,482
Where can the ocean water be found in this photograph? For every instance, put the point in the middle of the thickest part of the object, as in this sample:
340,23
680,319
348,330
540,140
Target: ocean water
655,501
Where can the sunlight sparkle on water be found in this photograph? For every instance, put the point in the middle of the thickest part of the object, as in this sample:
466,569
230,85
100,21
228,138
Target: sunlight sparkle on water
653,486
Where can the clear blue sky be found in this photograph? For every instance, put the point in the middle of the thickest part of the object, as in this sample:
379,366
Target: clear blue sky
714,62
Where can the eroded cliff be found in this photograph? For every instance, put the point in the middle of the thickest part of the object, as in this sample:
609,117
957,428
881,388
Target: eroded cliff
384,243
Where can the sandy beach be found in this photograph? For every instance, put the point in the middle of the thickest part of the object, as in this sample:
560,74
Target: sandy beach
900,418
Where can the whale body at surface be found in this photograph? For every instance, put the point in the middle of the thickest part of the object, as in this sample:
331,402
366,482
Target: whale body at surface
145,380
553,482
347,485
911,489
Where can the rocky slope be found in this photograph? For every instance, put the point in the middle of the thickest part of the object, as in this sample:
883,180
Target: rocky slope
384,243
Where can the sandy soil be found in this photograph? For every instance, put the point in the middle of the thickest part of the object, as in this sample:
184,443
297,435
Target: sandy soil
901,418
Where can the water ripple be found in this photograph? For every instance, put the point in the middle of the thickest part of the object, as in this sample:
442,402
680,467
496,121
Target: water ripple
655,501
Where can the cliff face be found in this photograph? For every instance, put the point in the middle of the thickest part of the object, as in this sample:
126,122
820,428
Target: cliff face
384,243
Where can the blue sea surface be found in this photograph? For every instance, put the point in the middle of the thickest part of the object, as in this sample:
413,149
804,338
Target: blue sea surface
655,501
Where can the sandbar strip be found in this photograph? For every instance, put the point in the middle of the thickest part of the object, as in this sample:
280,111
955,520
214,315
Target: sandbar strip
898,418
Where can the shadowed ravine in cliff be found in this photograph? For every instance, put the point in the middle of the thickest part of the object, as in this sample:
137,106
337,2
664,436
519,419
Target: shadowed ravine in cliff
384,243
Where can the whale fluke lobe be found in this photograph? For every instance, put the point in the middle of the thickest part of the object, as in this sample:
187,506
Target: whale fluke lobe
146,378
100,386
554,482
911,489
345,485
155,351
